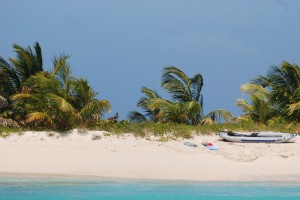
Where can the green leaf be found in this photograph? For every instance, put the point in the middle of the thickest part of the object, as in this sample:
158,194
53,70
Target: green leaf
61,103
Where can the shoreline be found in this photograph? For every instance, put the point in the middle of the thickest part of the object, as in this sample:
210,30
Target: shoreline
65,177
124,157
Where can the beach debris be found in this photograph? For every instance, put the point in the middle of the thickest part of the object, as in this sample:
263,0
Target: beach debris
51,134
209,146
283,156
96,137
190,144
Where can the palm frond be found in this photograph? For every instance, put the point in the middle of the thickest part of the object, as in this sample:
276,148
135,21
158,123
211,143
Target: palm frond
21,96
159,103
196,85
62,72
207,120
251,88
179,92
177,72
61,103
137,117
3,102
38,57
144,101
95,107
8,78
177,83
193,106
246,107
82,92
40,116
150,94
220,115
193,109
180,86
293,107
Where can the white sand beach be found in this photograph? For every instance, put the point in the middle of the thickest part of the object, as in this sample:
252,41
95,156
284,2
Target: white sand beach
125,156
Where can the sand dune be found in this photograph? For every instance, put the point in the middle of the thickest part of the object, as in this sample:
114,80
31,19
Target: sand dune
97,155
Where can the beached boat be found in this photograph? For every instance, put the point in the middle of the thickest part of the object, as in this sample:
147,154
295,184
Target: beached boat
269,137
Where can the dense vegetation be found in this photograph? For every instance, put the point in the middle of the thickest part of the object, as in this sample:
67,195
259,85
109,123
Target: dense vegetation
186,106
274,98
32,98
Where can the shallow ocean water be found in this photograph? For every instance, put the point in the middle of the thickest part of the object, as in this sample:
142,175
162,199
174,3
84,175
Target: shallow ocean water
12,188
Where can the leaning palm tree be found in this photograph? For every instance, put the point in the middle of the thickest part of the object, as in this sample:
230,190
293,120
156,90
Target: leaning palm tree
187,104
144,104
180,86
184,89
283,83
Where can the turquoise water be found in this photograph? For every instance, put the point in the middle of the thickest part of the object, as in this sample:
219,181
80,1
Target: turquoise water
70,189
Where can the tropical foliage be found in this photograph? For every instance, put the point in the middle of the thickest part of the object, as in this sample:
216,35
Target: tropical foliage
259,110
144,104
274,97
54,100
13,74
185,106
31,97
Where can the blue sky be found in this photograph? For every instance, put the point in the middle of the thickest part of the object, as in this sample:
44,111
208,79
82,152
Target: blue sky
122,45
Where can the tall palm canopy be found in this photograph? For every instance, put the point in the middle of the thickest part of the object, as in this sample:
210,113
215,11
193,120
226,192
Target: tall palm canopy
26,63
180,86
281,92
39,98
58,100
187,104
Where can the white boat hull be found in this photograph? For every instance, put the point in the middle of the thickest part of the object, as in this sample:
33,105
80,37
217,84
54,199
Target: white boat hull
267,137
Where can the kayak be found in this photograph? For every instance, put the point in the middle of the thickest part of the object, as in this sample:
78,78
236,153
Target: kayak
268,137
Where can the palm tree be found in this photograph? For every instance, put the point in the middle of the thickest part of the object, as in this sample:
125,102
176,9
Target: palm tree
187,104
178,112
59,101
188,91
89,109
144,104
9,81
185,90
181,87
283,83
43,102
259,110
13,74
63,73
26,64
